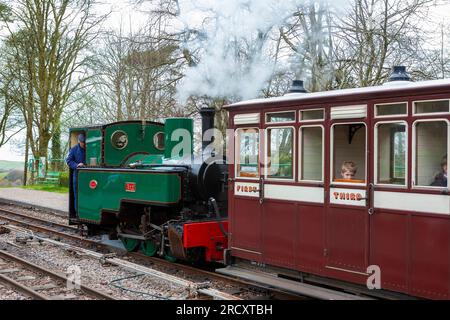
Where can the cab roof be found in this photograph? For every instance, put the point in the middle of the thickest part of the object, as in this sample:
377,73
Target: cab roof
99,126
390,88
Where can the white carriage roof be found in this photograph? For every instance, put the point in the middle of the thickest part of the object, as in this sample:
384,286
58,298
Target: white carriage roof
388,87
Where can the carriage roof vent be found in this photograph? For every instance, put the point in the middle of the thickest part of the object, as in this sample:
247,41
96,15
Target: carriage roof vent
399,76
297,87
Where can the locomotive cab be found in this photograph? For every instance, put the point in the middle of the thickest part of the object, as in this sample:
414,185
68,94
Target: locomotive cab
73,141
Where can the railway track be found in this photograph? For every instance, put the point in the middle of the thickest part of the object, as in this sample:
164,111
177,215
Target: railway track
61,231
242,287
40,283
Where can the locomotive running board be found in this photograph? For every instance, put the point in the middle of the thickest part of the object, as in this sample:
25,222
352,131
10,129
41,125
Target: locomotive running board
288,285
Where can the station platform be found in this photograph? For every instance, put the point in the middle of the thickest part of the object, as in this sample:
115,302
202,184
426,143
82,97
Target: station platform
44,200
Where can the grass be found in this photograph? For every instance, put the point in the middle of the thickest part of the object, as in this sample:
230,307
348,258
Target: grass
48,187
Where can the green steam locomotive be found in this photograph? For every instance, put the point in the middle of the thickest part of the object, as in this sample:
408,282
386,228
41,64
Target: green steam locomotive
142,184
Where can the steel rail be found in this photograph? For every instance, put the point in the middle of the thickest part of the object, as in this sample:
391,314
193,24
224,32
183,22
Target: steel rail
23,289
190,286
137,255
156,260
35,267
17,214
36,227
159,261
211,274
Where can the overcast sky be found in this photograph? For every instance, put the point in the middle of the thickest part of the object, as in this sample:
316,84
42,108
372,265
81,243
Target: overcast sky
131,19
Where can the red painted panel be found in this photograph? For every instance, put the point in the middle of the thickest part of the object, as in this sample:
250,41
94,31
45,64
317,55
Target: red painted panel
279,232
346,241
389,248
246,224
207,235
430,256
310,237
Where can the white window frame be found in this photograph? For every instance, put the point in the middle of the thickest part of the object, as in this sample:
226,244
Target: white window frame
429,113
312,120
391,115
375,159
300,153
241,119
237,153
414,153
357,111
282,122
266,156
335,183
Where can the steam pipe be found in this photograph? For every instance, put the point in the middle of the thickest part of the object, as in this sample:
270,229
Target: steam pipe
213,202
207,115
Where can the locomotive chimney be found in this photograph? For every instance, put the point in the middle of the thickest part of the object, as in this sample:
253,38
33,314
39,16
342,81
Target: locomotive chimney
207,115
297,87
399,74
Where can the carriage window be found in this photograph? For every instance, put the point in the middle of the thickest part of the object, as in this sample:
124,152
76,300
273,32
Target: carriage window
312,115
280,117
311,153
391,160
248,156
280,152
349,156
431,153
395,109
431,107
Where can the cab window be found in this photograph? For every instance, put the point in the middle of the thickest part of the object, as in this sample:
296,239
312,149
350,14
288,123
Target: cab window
280,151
429,107
311,154
430,153
247,155
349,154
391,153
280,117
391,109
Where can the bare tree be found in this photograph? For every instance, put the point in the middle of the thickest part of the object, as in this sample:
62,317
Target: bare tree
376,34
308,34
135,74
44,63
10,123
10,120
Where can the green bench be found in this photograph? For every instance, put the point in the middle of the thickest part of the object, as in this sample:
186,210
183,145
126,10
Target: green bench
52,177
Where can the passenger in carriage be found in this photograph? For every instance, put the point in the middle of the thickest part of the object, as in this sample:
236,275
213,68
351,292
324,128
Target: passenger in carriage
440,180
348,170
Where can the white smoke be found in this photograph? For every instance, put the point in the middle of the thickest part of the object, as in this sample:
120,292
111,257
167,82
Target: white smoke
231,43
231,40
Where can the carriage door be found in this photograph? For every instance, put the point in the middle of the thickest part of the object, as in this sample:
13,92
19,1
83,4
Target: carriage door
245,213
347,196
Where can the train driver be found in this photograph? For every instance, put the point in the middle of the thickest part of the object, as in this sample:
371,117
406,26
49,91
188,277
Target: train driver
76,159
348,170
440,180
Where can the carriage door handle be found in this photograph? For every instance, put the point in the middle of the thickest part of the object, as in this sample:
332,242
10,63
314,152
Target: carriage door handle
261,190
370,198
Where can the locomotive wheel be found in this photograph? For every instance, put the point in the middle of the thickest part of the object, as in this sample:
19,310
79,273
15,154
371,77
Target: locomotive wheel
149,248
169,257
130,244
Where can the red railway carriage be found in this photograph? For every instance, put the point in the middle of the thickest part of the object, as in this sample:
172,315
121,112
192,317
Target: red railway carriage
291,207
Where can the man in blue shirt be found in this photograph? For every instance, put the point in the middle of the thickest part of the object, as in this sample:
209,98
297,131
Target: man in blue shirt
75,160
